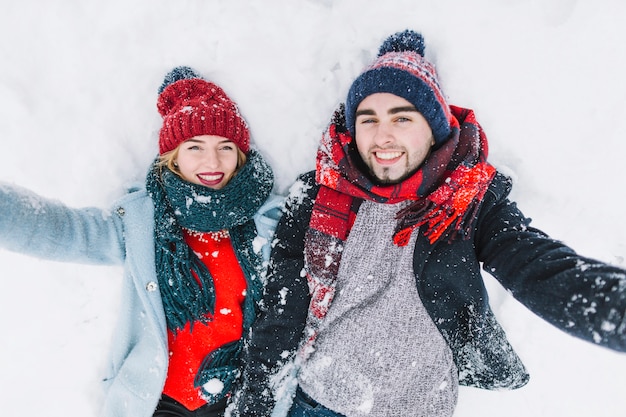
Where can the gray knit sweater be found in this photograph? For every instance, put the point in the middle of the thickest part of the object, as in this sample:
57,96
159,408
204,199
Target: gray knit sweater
378,353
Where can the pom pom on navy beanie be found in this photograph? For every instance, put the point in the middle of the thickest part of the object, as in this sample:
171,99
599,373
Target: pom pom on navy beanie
401,69
191,106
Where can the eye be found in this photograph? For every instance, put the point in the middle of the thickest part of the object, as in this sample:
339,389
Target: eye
227,148
367,120
193,148
402,119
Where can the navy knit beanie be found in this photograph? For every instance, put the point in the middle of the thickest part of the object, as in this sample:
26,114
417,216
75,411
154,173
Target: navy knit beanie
401,69
192,106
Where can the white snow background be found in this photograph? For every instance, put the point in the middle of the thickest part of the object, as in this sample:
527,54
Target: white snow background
78,122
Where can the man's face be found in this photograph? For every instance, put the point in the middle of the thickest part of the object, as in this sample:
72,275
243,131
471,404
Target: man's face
392,137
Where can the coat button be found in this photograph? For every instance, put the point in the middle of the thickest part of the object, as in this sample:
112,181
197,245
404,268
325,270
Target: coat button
121,211
151,286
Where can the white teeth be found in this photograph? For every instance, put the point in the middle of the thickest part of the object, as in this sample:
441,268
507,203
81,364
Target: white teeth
388,155
210,177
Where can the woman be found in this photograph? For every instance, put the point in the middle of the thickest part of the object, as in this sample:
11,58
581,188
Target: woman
192,243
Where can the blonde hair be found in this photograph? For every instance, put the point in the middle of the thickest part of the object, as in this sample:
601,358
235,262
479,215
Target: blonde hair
168,160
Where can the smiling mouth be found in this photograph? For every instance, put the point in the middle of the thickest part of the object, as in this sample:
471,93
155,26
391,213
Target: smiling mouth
387,156
210,179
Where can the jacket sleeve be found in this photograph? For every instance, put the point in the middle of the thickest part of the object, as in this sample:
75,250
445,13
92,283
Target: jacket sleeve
266,220
583,297
276,334
45,228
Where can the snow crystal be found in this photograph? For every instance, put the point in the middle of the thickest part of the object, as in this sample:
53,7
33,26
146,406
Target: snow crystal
366,406
203,199
297,191
608,326
583,266
283,295
213,386
258,243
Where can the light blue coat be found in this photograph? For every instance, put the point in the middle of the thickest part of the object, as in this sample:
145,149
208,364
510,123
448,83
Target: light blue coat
124,236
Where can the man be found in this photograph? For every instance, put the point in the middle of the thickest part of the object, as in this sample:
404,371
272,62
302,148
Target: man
375,305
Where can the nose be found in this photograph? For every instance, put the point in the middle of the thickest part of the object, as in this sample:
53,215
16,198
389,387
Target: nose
211,159
383,135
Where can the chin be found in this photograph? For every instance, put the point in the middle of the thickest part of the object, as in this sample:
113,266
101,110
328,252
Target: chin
384,180
389,180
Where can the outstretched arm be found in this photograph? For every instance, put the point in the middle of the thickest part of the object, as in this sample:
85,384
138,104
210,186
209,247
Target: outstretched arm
583,297
46,228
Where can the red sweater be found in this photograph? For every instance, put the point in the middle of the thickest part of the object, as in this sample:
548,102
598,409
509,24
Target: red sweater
188,349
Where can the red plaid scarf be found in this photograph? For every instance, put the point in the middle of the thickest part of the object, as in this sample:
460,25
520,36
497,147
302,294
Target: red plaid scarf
446,190
446,193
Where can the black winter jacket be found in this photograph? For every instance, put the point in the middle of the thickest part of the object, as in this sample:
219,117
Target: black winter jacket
583,297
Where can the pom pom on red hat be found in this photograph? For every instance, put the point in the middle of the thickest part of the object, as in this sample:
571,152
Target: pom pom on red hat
191,106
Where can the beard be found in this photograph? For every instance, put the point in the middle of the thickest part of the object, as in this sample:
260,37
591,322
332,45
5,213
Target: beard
384,176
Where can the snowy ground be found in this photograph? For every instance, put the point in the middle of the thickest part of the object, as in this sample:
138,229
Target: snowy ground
78,88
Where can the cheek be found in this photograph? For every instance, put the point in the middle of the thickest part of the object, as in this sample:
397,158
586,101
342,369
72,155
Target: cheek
421,138
186,173
185,164
361,141
229,162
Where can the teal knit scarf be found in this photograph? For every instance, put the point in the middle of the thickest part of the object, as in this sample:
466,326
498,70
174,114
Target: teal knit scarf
180,204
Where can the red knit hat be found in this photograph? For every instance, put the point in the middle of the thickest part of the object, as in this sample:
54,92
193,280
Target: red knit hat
192,106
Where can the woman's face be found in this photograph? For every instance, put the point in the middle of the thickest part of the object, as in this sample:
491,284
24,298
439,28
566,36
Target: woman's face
207,160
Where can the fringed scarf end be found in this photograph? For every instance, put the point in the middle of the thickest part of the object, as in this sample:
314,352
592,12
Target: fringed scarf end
402,237
455,203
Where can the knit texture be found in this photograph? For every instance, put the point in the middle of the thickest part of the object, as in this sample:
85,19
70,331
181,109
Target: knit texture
365,364
401,69
179,203
202,367
191,106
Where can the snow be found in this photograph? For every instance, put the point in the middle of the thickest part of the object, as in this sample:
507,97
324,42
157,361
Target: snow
78,90
214,386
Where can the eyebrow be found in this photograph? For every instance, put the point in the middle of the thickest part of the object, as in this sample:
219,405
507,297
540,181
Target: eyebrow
402,109
394,110
200,141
